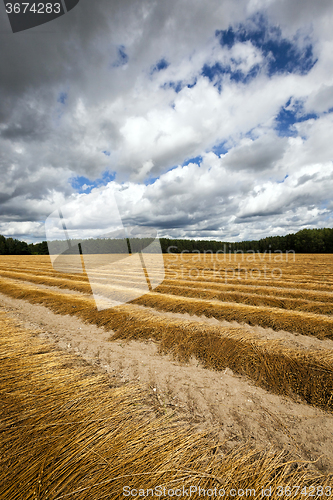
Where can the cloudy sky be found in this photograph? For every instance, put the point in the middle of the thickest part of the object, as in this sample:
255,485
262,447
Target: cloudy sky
203,119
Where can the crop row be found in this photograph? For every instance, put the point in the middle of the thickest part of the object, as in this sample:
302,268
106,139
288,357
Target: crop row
65,281
68,283
270,291
267,317
123,293
251,278
80,438
285,371
281,302
191,278
307,276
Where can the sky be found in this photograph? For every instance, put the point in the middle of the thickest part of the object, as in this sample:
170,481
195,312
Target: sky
203,120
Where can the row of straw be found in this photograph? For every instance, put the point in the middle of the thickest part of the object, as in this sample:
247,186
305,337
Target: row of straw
306,274
305,323
259,289
62,280
297,304
320,326
66,433
302,372
207,292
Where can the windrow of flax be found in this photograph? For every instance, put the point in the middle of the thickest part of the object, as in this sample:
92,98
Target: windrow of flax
67,434
289,371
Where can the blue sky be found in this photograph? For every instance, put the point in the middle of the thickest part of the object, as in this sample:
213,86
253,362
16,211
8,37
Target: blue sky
290,114
282,55
82,184
160,66
207,120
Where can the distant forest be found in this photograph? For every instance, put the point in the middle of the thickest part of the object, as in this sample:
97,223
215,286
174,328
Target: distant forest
304,241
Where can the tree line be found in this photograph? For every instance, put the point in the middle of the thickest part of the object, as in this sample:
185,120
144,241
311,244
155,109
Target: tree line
304,241
11,246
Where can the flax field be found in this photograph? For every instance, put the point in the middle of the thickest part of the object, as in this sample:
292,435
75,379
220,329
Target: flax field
67,432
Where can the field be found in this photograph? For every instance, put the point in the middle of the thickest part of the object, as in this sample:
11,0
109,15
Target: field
225,368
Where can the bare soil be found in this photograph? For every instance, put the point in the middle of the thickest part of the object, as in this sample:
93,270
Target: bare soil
238,410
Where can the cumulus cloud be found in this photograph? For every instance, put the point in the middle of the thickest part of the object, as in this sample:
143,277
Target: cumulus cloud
214,118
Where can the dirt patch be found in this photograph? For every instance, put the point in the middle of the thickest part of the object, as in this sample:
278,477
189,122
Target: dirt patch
238,410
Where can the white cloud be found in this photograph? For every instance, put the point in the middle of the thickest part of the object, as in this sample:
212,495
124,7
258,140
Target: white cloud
148,127
214,200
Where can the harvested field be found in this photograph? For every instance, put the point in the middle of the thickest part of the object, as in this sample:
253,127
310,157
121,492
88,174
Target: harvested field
67,434
284,371
269,322
308,374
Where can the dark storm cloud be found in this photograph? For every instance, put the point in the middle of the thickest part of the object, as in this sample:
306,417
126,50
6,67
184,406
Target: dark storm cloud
257,155
306,178
49,56
26,123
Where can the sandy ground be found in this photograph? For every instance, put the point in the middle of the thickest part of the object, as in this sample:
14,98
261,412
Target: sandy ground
230,404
